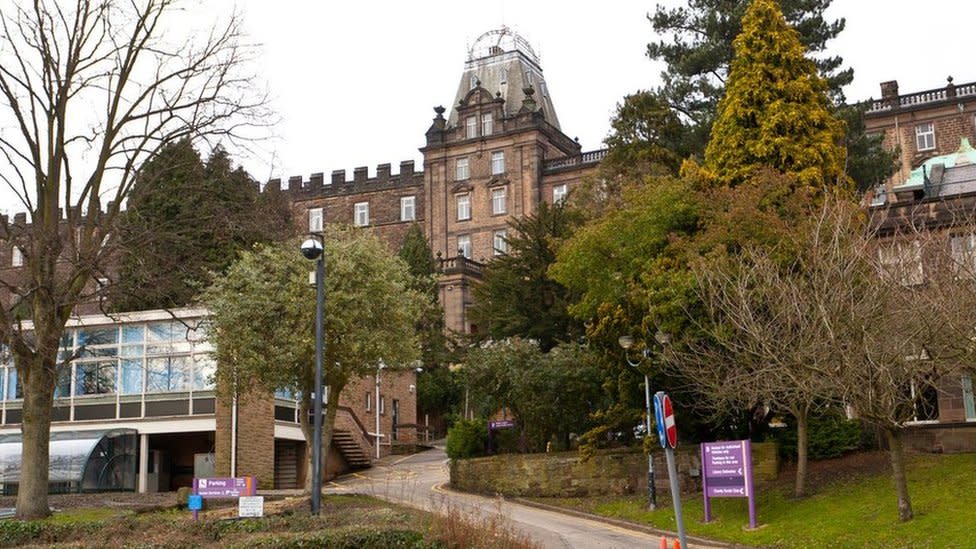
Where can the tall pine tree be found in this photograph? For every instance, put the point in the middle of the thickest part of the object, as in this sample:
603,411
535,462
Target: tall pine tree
775,112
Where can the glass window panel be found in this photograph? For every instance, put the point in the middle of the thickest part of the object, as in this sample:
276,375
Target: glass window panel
98,336
133,334
131,350
131,376
95,378
165,331
13,388
204,369
167,374
3,383
62,388
98,352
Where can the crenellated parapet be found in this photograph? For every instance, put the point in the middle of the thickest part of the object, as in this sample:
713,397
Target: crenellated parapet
316,185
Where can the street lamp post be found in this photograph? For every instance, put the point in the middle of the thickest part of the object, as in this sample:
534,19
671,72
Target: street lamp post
626,342
313,250
379,435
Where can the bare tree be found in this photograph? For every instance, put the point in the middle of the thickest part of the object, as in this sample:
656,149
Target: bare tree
89,90
871,321
761,345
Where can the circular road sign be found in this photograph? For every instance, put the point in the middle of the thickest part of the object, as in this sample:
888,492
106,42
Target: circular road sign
667,431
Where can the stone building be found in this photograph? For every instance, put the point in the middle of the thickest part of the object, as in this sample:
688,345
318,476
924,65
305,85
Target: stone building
494,156
933,189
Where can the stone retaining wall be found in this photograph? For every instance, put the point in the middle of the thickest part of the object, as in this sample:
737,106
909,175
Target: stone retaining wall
610,472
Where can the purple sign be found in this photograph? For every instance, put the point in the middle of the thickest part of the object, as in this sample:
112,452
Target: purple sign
224,487
727,473
501,424
233,487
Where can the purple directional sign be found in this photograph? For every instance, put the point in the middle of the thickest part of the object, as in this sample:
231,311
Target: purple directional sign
224,487
727,473
724,465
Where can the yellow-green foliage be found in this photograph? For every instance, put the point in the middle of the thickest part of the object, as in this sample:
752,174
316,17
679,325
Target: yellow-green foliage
775,111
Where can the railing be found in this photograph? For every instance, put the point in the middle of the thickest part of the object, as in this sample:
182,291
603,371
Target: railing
347,420
584,159
922,97
460,265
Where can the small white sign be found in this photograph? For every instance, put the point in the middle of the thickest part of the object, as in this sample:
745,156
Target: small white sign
250,506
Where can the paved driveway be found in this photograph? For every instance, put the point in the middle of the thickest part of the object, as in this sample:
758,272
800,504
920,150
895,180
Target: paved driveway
420,480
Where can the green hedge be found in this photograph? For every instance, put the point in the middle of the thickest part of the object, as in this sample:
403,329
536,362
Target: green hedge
467,438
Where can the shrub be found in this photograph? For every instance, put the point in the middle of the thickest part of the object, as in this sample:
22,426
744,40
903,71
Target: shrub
829,436
467,438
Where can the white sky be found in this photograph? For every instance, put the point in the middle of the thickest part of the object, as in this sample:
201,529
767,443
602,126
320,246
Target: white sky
354,83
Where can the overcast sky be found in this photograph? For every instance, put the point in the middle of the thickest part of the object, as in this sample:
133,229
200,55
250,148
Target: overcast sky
355,83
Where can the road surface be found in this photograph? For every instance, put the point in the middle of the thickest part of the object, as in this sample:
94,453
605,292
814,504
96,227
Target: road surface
421,480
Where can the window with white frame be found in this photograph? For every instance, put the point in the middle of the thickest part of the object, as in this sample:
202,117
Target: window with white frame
382,404
902,261
408,210
498,163
963,248
471,127
464,246
369,402
498,196
558,193
487,124
315,220
463,206
461,169
16,257
925,137
361,218
500,242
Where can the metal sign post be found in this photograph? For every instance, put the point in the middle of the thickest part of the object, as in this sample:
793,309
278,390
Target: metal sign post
668,435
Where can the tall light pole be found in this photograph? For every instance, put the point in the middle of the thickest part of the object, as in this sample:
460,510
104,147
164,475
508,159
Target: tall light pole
313,250
626,342
378,433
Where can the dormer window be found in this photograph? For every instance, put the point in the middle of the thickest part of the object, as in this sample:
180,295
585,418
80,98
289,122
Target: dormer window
471,127
487,124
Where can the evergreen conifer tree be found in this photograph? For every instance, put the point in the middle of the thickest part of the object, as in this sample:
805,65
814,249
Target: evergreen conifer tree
775,112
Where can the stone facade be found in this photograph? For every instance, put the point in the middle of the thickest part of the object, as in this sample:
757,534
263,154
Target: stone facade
903,120
611,472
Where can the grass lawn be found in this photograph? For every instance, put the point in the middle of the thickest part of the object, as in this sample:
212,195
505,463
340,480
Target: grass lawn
851,512
346,522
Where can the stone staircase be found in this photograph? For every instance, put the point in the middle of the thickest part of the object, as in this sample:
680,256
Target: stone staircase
355,455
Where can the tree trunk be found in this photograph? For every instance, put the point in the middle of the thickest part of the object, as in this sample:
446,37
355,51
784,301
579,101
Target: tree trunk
38,386
893,434
802,419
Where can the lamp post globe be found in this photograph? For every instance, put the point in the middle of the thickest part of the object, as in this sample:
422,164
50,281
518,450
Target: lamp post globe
312,249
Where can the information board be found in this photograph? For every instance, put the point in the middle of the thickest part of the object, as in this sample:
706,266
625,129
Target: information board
727,473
